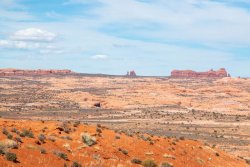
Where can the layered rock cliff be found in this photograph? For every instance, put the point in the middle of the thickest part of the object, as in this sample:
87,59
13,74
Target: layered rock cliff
18,72
193,74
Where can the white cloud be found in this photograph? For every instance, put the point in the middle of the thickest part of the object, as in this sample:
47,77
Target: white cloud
19,45
99,57
33,34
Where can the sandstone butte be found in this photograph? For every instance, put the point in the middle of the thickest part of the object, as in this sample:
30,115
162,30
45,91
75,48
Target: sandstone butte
62,143
131,73
221,73
18,72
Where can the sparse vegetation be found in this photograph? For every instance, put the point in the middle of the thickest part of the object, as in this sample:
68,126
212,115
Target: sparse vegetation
125,152
98,130
9,144
88,140
149,163
43,151
9,136
42,138
61,155
166,164
2,150
76,124
66,137
27,133
136,161
11,156
76,164
5,131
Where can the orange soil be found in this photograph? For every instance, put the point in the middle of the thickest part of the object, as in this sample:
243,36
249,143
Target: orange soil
105,152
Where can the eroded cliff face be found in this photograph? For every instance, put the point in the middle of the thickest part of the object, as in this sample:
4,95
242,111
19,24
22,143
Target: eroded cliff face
193,74
17,72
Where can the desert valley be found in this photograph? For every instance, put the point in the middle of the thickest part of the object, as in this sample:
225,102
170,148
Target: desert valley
64,118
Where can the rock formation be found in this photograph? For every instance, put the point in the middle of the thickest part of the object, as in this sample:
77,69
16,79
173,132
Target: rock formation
192,74
131,73
17,72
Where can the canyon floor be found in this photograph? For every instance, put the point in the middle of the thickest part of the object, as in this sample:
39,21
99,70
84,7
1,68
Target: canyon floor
216,112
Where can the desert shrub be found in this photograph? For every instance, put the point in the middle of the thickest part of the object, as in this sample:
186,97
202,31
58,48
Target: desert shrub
166,164
18,139
136,161
2,150
117,137
42,138
98,130
125,152
9,136
64,127
88,140
50,138
11,157
9,144
27,133
14,130
76,124
182,138
66,137
61,155
76,164
5,131
43,151
149,163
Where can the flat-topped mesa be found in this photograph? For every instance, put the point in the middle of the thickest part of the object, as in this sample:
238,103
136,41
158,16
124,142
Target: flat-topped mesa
192,74
18,72
131,74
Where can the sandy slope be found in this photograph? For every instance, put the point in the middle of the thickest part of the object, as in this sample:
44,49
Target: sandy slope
106,151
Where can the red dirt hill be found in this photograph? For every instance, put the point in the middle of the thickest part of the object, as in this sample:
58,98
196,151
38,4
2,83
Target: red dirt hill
39,143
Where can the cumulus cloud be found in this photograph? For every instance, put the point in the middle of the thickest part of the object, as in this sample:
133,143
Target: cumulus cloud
33,34
99,57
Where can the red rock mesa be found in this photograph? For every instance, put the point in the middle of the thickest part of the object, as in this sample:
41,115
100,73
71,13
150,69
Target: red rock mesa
16,72
131,74
192,74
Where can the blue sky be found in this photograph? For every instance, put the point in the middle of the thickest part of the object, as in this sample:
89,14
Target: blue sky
151,37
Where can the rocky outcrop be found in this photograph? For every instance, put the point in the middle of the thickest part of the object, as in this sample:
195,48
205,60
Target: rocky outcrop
192,74
131,74
17,72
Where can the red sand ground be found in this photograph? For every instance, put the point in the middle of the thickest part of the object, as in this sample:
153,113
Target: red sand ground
105,152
